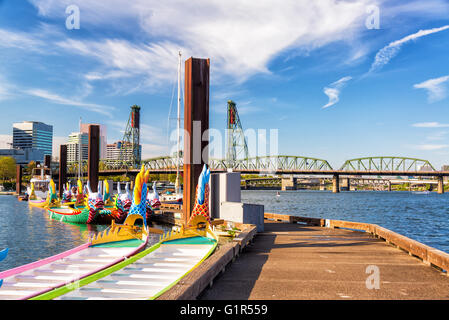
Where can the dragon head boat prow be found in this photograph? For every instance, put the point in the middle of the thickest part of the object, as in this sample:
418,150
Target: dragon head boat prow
139,195
199,222
202,197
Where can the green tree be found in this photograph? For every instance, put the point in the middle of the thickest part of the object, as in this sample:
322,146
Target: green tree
7,167
31,165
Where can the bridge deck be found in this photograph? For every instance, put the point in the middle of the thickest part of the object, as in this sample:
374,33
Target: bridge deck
290,261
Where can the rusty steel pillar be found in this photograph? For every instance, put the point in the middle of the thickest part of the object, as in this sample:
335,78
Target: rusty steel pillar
196,122
62,169
335,184
18,179
93,157
440,185
47,161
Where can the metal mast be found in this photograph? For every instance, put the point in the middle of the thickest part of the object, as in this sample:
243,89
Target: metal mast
130,150
237,145
80,158
179,125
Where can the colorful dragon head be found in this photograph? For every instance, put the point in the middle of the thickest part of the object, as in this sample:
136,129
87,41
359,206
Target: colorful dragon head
67,193
140,195
32,195
52,197
94,200
153,198
79,194
123,201
202,196
107,197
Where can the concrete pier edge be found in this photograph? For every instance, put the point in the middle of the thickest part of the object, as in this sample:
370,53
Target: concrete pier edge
191,286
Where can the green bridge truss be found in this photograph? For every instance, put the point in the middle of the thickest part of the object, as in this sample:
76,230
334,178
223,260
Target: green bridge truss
268,163
400,164
278,164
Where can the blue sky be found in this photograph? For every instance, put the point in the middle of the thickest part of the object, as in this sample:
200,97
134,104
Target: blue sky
334,88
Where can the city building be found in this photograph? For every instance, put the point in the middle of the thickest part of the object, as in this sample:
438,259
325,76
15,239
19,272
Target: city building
103,137
35,139
73,146
23,156
115,152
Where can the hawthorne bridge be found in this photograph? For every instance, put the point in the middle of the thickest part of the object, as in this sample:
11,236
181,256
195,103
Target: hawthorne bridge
238,160
377,167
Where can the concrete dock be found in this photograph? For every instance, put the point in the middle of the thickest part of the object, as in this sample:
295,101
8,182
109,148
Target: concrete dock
293,261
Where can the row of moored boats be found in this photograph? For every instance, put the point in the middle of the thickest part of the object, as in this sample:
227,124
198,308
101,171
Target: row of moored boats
119,262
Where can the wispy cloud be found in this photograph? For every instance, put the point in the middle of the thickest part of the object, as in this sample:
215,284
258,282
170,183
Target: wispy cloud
430,125
437,136
242,38
333,91
57,99
388,52
430,147
436,88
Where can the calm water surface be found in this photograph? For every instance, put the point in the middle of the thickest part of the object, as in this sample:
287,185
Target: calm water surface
30,234
422,217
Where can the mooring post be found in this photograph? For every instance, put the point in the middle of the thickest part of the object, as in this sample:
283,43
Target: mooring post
19,179
93,156
47,161
62,168
196,123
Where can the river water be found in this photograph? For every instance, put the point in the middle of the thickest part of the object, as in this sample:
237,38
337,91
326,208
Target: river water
31,235
422,217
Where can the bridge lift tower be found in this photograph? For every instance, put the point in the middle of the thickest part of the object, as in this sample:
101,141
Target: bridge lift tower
130,149
237,147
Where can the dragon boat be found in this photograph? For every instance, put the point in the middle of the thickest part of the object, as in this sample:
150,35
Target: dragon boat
150,273
91,211
51,199
103,250
38,189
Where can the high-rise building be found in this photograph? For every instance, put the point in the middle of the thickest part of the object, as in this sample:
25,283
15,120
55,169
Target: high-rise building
115,152
103,137
73,146
33,135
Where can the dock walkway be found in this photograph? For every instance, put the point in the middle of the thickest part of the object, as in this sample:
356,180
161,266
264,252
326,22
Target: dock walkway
292,261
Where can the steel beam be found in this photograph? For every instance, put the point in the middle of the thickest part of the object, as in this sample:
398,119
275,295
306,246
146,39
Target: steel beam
93,156
196,122
18,179
62,169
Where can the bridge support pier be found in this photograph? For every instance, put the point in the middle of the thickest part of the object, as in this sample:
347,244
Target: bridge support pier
345,184
335,184
389,186
440,185
289,184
